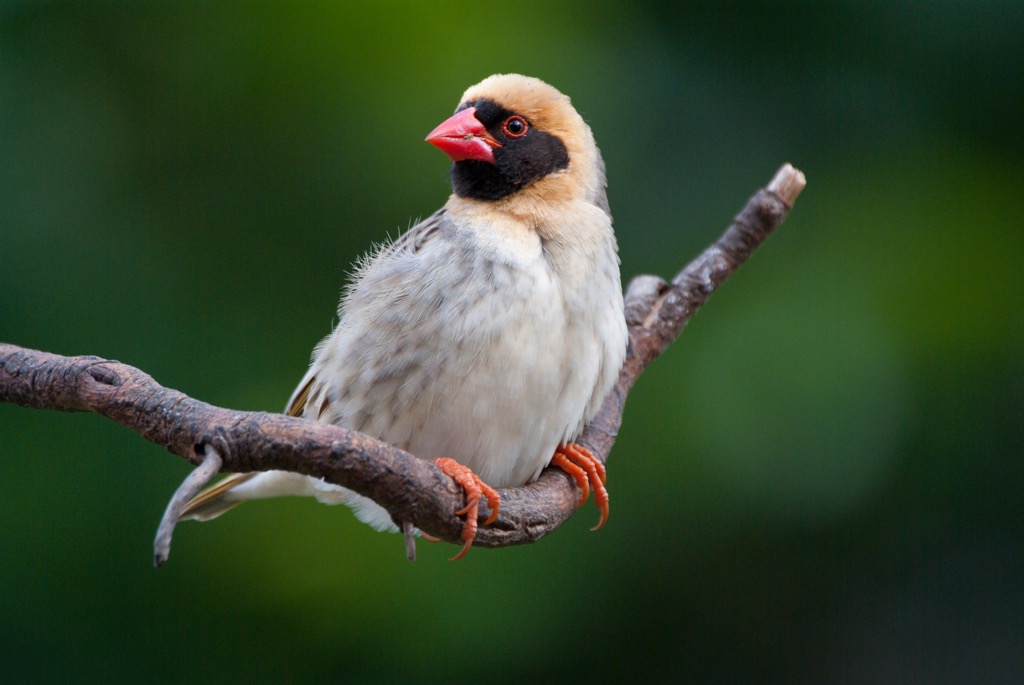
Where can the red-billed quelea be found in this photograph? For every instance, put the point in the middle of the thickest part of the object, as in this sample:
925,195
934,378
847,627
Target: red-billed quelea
485,337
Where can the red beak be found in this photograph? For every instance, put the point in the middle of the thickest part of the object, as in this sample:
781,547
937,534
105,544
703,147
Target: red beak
463,137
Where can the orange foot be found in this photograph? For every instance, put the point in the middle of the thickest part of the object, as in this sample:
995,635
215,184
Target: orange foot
475,489
587,471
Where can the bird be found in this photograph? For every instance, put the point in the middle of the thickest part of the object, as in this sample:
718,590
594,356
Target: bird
485,337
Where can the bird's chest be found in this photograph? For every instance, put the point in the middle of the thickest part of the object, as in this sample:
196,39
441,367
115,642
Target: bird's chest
508,341
506,387
516,334
489,361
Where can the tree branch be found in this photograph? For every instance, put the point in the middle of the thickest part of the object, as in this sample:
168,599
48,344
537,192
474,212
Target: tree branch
411,489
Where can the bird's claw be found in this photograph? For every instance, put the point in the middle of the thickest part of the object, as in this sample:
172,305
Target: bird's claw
587,471
475,489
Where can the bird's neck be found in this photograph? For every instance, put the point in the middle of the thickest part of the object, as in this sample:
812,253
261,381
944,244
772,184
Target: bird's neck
570,235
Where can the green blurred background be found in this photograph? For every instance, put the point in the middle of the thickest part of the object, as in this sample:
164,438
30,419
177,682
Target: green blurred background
821,481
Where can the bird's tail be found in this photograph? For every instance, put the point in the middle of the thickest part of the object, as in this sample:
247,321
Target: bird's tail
238,487
215,500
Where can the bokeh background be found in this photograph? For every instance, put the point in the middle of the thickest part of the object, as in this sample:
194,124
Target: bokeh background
821,481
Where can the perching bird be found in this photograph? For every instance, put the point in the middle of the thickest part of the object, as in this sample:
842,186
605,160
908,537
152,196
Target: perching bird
487,336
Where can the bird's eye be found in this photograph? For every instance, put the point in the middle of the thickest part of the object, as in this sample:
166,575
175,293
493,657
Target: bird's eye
515,127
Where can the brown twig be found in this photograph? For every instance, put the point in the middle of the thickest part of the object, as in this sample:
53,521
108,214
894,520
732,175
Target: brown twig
188,489
411,489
